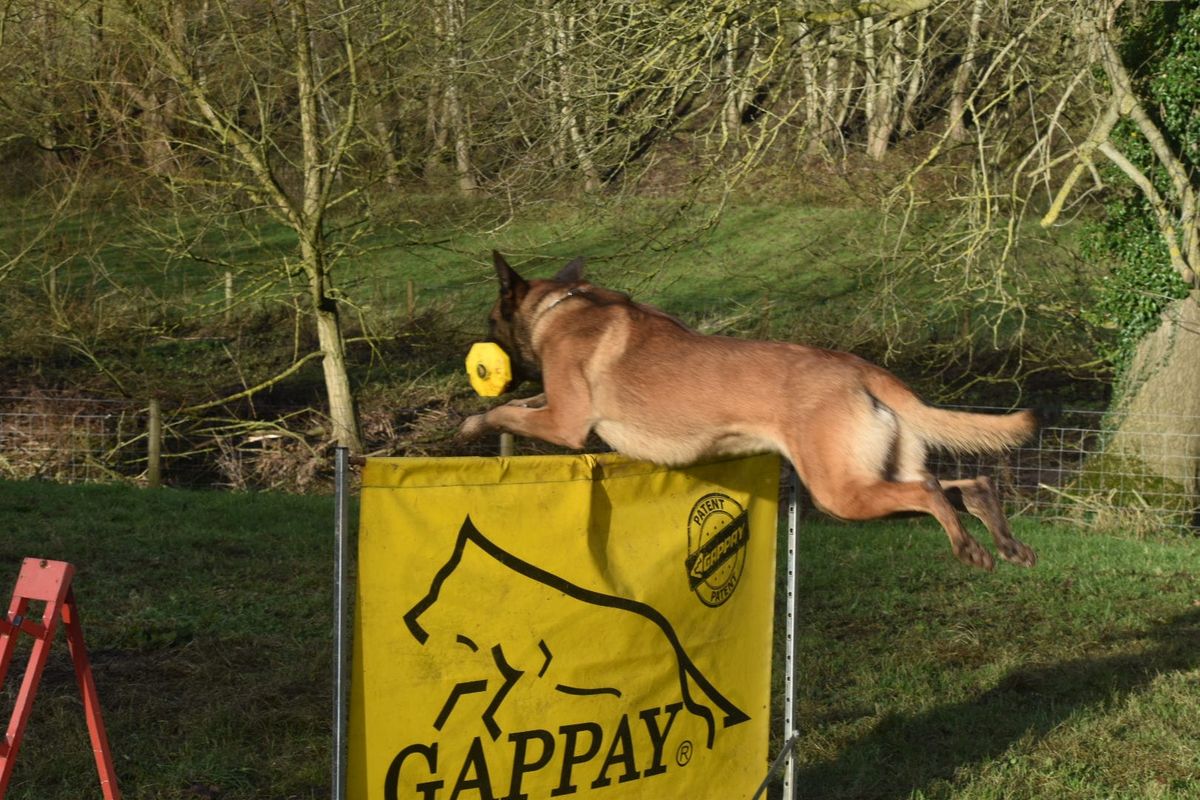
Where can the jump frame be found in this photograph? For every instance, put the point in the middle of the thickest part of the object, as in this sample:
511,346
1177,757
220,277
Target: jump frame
783,763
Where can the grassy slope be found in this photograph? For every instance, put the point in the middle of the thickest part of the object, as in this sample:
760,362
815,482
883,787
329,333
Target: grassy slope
765,267
154,317
208,617
635,243
768,269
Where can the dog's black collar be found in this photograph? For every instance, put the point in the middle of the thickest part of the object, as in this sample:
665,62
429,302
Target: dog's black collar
574,291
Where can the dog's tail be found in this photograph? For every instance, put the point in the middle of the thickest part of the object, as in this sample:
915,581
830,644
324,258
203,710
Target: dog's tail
958,431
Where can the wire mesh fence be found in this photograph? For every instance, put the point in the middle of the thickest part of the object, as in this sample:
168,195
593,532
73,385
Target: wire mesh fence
76,440
70,439
255,446
1097,469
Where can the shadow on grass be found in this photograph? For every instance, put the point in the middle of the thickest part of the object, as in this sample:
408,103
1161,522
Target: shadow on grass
906,753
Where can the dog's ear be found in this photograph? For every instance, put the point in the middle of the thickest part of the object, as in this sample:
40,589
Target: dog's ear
572,272
513,286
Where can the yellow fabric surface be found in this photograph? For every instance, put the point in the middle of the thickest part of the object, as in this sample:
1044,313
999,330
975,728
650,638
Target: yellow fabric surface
581,626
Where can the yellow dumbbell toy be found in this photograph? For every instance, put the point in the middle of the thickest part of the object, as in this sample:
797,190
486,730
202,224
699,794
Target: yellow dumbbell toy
489,369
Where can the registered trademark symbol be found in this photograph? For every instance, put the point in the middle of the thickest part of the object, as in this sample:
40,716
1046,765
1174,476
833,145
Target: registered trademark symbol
684,754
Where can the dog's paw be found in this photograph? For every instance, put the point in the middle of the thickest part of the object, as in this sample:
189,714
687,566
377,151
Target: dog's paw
972,553
1016,552
472,428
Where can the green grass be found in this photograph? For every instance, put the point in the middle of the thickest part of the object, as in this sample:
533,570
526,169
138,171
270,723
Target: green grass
919,678
766,269
208,616
153,315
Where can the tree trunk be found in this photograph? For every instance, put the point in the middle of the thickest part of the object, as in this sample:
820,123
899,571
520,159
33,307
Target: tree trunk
844,97
886,89
1159,415
157,104
841,81
437,128
318,172
382,117
962,76
828,131
871,66
732,120
154,126
383,136
812,93
916,77
462,144
564,38
342,417
558,136
456,114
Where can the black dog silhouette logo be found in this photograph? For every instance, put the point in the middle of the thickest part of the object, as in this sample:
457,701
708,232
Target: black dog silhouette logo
548,677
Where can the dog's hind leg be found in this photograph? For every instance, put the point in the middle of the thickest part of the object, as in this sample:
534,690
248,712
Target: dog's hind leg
853,499
980,498
863,464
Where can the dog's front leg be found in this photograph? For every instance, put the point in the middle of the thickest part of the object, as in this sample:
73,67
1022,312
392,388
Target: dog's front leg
537,401
478,424
564,423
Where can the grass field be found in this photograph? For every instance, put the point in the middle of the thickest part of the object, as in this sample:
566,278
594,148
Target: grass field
152,313
1079,678
208,617
638,244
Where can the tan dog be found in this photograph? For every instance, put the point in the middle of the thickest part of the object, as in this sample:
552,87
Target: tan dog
654,389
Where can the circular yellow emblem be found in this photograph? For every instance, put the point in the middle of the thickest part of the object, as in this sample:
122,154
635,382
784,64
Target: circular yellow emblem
718,532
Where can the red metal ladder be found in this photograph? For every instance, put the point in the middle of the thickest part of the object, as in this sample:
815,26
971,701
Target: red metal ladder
49,582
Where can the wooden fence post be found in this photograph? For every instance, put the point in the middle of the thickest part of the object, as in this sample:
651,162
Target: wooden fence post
154,446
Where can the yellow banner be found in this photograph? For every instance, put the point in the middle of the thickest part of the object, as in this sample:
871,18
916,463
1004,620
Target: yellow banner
580,626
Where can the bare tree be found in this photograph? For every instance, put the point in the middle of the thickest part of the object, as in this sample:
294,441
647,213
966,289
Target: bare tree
294,168
449,118
962,75
884,72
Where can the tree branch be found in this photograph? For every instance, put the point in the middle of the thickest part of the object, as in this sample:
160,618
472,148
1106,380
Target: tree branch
268,383
1097,137
831,12
225,128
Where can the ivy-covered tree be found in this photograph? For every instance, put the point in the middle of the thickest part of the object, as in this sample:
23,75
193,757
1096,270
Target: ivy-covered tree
1151,234
1161,52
